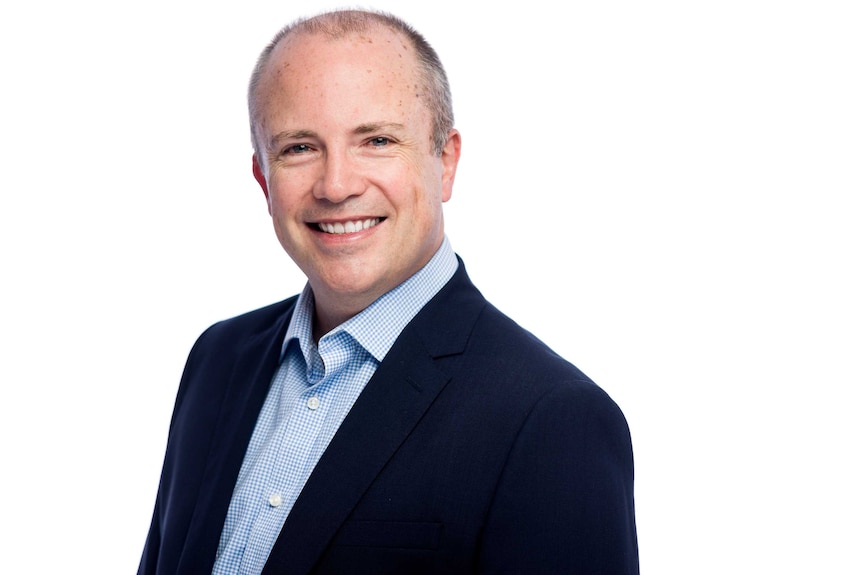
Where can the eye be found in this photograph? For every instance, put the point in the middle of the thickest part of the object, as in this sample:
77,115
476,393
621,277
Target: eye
297,149
380,141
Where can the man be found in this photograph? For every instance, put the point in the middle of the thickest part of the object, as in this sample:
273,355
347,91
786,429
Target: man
388,419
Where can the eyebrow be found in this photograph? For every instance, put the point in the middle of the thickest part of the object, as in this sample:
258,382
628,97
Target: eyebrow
377,127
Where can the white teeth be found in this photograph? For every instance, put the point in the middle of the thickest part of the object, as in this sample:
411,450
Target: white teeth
348,227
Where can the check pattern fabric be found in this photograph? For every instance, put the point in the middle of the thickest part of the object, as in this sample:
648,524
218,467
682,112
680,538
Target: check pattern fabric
310,395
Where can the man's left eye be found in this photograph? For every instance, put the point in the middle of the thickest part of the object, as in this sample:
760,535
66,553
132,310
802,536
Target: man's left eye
380,141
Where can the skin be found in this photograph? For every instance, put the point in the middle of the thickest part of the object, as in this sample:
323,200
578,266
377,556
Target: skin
347,138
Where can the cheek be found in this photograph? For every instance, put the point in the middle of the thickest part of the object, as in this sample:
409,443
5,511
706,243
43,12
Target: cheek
421,178
285,194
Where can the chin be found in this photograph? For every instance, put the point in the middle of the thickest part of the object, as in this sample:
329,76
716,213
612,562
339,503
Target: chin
354,284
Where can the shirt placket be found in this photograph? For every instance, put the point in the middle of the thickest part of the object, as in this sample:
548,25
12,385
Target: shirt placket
297,437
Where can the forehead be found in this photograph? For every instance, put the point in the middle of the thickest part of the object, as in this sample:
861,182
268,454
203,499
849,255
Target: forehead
308,60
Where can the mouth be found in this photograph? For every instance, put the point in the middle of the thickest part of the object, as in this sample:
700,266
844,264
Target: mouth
348,227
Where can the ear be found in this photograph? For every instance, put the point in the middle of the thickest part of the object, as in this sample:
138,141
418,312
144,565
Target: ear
450,156
261,179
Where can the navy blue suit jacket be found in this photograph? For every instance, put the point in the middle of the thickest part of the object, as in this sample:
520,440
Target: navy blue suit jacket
473,449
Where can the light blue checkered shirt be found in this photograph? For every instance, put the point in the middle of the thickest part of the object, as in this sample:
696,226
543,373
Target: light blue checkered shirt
311,393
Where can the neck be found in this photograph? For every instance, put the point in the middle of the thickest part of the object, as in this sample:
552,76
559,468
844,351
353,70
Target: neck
330,314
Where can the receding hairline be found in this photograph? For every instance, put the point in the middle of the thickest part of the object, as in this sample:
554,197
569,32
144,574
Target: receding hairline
301,33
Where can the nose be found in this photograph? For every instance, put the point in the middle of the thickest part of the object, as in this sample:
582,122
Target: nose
340,178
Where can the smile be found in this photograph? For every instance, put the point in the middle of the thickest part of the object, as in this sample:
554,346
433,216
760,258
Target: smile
348,227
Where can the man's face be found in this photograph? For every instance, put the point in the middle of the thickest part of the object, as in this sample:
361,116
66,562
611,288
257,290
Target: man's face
354,188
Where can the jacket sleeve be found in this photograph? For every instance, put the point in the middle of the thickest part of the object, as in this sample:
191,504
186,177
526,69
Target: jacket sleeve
564,502
150,556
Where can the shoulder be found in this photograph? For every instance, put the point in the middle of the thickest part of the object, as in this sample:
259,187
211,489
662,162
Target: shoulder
510,351
491,355
552,398
217,350
249,325
256,320
512,373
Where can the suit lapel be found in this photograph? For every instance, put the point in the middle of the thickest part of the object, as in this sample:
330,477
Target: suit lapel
394,400
257,360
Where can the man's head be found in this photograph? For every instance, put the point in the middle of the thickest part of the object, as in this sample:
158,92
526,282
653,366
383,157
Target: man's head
355,154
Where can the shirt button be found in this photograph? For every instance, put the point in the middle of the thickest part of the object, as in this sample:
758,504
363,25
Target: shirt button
275,500
313,402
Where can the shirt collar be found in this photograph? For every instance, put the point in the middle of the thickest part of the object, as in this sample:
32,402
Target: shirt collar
378,326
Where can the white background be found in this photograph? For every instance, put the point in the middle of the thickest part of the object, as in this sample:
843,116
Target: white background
666,192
